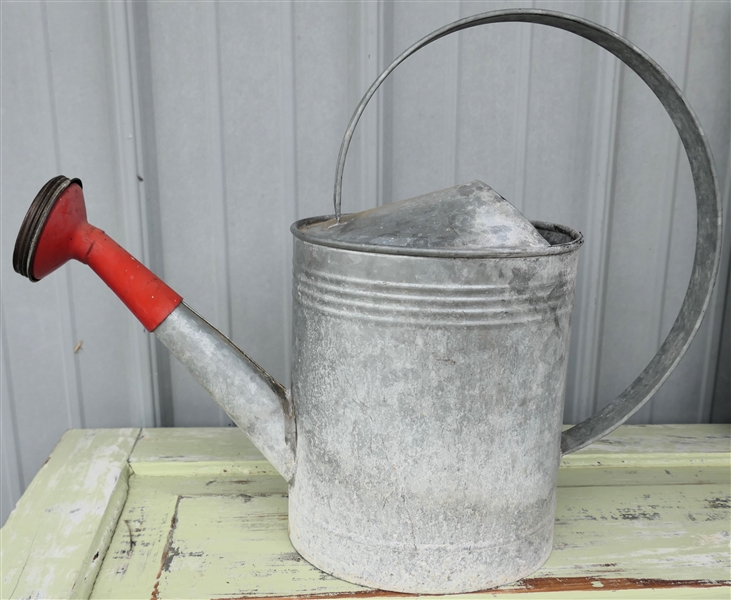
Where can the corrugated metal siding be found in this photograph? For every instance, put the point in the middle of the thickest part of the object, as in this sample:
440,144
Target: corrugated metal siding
202,130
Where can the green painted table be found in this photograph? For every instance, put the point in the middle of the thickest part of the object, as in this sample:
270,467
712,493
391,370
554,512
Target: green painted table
198,513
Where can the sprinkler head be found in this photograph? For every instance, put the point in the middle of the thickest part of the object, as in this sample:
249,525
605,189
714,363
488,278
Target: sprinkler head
51,231
55,230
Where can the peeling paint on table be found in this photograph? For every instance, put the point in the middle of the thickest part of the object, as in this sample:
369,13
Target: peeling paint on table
55,540
644,513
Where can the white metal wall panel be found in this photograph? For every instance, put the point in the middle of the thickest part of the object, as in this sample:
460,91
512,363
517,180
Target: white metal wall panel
653,205
641,208
707,60
202,130
56,115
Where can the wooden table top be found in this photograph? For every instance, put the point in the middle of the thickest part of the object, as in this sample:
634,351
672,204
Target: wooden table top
198,513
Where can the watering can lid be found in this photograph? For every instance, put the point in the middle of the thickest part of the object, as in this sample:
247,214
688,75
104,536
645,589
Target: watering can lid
466,218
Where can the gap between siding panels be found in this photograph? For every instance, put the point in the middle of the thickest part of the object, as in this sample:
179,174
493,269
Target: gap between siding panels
217,169
159,355
66,316
371,126
670,186
522,106
452,84
12,465
288,141
140,350
591,288
720,315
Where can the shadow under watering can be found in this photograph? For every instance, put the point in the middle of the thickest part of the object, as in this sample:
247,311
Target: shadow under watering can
421,436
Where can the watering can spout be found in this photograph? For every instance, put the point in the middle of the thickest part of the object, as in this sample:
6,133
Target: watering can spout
253,400
55,230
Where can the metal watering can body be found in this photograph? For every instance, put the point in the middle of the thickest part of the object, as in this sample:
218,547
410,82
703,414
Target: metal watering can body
429,400
421,437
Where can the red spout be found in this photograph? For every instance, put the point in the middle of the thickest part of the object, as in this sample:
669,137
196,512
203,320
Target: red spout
55,230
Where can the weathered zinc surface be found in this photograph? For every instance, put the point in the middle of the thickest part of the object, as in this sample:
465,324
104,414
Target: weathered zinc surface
259,405
429,396
467,218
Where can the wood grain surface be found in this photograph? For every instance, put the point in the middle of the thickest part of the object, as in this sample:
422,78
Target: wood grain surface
644,513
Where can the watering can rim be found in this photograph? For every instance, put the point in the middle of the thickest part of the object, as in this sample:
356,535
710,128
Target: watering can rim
469,220
575,241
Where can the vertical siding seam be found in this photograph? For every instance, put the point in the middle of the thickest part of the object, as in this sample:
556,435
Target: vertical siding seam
716,313
522,116
601,186
371,129
141,354
217,169
148,156
608,229
9,483
670,186
380,105
288,83
63,285
5,365
452,84
386,47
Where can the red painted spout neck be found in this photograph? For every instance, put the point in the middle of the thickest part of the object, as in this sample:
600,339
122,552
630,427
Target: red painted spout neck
55,230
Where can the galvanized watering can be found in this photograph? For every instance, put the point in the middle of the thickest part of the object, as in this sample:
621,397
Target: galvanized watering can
421,436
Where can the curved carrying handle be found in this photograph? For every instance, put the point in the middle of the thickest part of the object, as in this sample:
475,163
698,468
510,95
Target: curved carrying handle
708,240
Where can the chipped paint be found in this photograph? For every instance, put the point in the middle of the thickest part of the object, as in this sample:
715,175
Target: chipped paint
221,535
224,548
53,539
544,584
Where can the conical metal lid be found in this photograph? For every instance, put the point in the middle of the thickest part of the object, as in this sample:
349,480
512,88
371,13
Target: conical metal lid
469,218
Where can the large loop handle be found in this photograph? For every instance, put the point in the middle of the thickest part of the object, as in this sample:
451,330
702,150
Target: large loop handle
709,228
